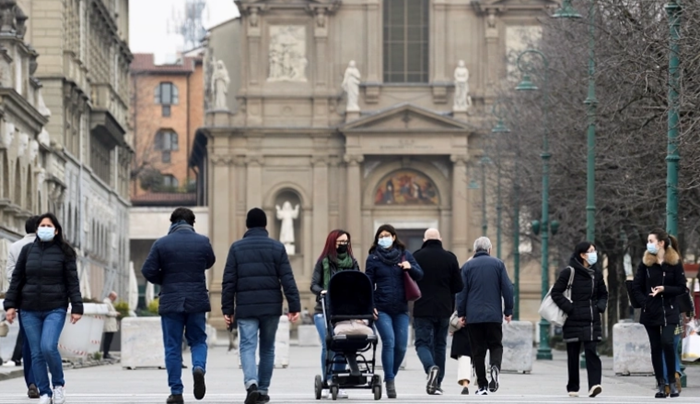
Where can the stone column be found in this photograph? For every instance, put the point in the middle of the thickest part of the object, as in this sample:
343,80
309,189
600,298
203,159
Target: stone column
438,40
320,202
320,111
253,30
375,54
219,225
254,182
354,198
492,55
460,214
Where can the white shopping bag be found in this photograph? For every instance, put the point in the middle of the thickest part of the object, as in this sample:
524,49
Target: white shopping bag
691,344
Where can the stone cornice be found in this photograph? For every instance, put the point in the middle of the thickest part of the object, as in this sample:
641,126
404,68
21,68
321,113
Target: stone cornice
22,109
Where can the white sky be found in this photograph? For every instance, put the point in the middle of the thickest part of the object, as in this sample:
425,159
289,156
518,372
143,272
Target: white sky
150,21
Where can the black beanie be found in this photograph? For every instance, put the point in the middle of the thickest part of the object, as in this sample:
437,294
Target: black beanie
256,218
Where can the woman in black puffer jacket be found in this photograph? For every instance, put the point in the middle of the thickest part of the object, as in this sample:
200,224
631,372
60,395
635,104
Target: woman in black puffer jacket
659,280
583,326
43,282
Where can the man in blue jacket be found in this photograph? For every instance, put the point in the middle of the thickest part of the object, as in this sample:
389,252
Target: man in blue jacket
255,268
178,263
481,310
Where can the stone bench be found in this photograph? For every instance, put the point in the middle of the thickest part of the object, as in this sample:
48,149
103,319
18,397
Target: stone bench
631,350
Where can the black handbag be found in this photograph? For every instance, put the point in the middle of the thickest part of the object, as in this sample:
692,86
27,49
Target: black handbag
633,301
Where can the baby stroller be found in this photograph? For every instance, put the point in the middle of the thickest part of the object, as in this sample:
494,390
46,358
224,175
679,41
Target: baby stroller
350,296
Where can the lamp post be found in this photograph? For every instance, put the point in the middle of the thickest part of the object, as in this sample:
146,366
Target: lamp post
567,11
500,128
484,220
544,352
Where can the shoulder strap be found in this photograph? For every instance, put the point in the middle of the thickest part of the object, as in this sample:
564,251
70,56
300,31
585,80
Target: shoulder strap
571,277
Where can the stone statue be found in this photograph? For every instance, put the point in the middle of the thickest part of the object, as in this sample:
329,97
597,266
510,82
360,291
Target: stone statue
41,104
220,81
40,178
23,144
44,137
287,215
253,18
462,100
351,85
33,150
9,135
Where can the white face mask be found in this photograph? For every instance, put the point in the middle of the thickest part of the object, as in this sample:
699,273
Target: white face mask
385,242
592,258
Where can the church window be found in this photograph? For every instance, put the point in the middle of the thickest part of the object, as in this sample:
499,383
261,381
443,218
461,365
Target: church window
406,27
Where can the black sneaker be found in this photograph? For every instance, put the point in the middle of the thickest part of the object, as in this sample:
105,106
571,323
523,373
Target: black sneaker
33,391
200,389
432,384
493,384
175,399
253,395
264,398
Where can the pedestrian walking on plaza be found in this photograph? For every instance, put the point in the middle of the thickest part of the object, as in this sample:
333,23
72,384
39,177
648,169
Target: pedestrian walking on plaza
178,263
583,326
111,324
22,354
461,350
336,256
431,313
657,284
487,297
44,280
256,266
387,261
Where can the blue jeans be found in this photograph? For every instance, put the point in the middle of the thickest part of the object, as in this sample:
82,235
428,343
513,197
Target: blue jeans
431,342
393,330
193,325
676,342
26,356
321,328
248,332
43,328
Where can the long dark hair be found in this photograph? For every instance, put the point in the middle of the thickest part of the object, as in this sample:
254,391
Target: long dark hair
329,249
668,240
582,248
68,251
389,228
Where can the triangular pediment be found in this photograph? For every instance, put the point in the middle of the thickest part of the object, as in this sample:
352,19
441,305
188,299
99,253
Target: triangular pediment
406,117
504,5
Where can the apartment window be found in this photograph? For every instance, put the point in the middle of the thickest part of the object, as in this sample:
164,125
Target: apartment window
166,142
166,94
406,54
169,181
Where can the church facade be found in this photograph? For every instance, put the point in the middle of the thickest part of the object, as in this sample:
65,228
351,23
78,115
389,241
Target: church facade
351,115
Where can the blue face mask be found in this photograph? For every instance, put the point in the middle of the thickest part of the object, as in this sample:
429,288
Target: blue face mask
385,242
592,258
46,233
652,248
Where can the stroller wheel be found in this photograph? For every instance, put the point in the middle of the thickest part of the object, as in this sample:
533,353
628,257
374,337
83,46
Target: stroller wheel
377,390
334,392
318,386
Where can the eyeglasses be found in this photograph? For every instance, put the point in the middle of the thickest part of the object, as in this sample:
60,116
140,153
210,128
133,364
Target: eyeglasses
342,242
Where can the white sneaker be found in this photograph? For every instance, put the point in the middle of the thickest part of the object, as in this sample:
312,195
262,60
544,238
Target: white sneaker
59,396
482,392
45,399
342,394
573,394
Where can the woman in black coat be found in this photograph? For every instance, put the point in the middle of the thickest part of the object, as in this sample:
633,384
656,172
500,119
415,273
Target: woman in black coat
43,282
583,326
659,281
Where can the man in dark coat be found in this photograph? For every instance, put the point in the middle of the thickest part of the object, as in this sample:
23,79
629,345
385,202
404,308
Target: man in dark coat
431,313
255,268
178,263
481,309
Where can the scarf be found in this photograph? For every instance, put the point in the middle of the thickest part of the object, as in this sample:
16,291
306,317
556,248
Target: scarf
179,226
343,262
389,256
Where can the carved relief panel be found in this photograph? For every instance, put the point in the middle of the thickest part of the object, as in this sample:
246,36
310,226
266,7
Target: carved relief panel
287,53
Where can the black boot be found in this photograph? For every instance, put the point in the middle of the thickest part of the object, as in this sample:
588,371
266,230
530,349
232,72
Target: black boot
661,393
674,389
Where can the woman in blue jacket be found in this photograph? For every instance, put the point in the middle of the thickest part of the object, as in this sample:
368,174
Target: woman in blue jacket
386,263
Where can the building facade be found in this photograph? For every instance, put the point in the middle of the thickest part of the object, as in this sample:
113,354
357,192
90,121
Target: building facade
84,70
350,115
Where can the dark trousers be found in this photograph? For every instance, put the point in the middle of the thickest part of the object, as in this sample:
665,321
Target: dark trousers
593,366
431,342
106,343
17,353
661,341
483,337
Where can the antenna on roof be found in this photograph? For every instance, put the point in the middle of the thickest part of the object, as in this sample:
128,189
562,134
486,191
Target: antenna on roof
189,24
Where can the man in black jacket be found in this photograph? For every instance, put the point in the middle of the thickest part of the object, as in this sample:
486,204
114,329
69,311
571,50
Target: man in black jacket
431,313
255,268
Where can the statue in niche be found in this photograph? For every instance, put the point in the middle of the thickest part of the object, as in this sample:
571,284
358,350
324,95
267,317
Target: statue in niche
462,100
23,144
220,82
253,18
351,85
40,178
33,150
287,215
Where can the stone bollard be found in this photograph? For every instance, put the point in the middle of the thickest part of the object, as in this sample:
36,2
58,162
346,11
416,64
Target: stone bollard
631,350
307,335
142,343
517,347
